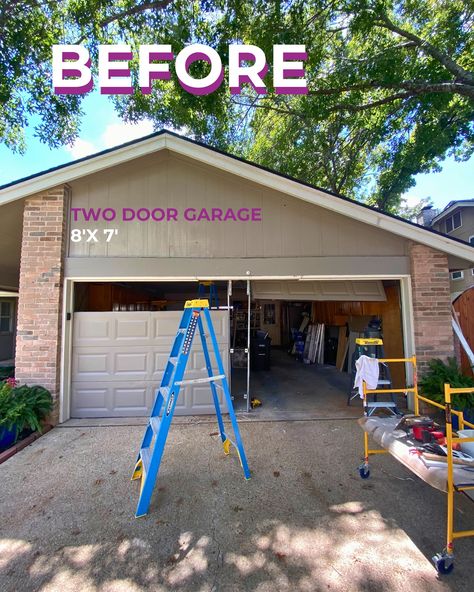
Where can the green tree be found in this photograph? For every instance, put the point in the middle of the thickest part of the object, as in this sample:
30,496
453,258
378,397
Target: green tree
391,83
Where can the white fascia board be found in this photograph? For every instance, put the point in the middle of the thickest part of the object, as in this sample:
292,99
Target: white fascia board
80,169
317,197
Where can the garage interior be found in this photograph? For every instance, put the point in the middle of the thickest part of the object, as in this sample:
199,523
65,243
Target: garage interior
288,374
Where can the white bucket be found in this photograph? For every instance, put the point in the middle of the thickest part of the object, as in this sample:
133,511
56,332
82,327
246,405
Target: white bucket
468,448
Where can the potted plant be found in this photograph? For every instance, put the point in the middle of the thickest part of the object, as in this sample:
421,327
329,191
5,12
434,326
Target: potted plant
21,407
432,386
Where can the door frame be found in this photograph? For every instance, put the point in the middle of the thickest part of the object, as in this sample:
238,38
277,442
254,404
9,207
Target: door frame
68,308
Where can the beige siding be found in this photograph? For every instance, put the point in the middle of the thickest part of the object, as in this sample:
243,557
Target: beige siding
464,232
290,227
458,286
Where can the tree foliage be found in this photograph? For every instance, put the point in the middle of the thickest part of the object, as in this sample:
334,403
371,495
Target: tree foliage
391,83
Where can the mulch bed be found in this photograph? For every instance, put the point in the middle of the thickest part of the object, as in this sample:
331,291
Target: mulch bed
20,444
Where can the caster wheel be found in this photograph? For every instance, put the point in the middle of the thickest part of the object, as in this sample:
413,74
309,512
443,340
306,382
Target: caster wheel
443,564
364,472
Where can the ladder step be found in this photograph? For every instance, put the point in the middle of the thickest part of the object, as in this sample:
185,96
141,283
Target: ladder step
200,380
145,455
381,404
155,423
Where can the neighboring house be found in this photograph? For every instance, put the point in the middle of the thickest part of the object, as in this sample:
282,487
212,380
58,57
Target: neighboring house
91,325
457,221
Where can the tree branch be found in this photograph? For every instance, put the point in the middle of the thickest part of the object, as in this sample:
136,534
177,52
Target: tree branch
268,107
372,104
458,71
158,4
412,86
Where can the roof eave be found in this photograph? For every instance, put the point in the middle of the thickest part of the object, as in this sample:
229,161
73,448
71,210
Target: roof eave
209,156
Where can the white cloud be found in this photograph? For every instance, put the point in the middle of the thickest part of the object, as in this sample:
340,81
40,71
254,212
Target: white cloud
81,148
411,200
114,134
119,133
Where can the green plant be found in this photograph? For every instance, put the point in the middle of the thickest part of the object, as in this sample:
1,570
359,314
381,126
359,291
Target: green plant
432,383
23,406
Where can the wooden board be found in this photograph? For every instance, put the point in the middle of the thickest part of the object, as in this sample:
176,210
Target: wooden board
389,311
342,344
464,307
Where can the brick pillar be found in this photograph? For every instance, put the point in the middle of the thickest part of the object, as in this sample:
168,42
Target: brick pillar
38,343
431,304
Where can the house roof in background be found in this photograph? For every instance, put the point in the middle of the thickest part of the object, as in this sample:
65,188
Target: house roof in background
207,155
451,207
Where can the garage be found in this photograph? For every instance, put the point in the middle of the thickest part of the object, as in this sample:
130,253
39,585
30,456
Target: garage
306,251
123,333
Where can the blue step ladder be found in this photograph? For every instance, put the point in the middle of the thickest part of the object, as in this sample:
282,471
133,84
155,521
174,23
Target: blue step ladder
154,440
213,299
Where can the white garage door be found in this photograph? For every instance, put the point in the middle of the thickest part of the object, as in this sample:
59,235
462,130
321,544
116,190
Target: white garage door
119,358
339,290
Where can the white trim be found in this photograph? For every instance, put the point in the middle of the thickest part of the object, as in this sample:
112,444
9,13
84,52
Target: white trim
408,330
79,169
66,353
235,278
241,169
451,217
451,207
5,294
68,306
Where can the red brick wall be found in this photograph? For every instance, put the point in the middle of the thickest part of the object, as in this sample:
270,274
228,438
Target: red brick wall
38,345
430,284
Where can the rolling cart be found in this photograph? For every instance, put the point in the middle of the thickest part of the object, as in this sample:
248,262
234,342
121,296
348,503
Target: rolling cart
444,473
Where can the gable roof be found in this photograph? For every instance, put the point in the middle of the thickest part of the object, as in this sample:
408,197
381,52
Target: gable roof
453,205
205,154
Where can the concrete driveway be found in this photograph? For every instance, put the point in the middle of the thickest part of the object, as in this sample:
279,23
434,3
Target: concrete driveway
304,522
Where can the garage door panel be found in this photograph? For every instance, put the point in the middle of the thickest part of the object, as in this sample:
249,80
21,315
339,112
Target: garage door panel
133,329
221,328
202,397
118,365
93,365
124,396
338,290
93,329
160,360
165,327
90,401
131,365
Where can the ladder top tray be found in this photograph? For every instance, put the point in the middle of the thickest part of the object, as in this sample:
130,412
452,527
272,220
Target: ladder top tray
401,447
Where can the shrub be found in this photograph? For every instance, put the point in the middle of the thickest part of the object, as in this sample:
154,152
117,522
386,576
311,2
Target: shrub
432,383
23,406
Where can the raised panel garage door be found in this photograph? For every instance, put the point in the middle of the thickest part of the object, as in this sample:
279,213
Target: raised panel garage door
118,359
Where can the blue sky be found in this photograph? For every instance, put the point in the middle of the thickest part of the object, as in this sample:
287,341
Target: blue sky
101,128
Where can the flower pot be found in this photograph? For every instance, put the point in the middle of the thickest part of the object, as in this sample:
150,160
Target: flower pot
7,437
